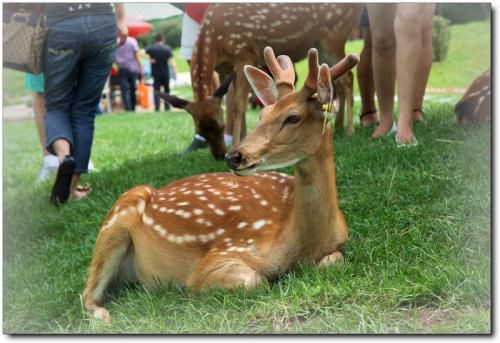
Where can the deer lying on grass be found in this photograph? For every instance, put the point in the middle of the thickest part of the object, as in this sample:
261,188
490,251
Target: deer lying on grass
234,35
475,105
223,230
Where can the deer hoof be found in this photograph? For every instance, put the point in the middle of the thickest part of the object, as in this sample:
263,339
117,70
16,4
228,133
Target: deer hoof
333,259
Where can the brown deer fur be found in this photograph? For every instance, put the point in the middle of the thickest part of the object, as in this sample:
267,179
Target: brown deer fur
225,230
475,105
234,34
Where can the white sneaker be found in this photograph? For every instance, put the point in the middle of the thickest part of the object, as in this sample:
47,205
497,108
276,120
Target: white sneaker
49,167
91,167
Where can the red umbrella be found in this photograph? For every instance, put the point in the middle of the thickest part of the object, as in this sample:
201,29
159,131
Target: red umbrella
137,27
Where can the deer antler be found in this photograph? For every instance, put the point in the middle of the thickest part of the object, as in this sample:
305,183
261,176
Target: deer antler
342,67
282,70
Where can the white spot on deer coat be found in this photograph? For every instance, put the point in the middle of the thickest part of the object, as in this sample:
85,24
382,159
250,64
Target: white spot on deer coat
147,220
141,204
259,224
234,208
242,225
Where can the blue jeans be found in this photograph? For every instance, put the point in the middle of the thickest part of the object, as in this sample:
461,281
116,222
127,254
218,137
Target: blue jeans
78,55
128,88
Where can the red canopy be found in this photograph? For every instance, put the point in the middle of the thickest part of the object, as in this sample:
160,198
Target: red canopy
137,27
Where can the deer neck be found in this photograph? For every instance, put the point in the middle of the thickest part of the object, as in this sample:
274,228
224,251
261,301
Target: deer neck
203,65
315,209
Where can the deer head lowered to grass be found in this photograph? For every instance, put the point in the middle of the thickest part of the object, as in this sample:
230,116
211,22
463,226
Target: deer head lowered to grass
233,35
223,230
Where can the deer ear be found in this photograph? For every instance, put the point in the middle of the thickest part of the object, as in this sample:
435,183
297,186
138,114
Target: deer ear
262,84
222,90
173,100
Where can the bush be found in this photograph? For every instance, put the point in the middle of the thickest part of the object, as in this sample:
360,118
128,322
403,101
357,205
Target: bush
441,35
464,12
171,29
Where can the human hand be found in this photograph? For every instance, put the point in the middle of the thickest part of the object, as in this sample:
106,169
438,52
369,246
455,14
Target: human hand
122,31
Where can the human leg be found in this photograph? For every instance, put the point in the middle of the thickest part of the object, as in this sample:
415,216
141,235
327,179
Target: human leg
423,76
156,87
383,62
123,75
133,89
166,86
408,25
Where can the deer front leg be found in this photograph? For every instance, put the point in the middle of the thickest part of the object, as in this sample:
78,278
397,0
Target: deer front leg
214,271
335,258
349,96
241,88
340,237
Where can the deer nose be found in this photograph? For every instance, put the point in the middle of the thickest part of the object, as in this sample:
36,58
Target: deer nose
234,159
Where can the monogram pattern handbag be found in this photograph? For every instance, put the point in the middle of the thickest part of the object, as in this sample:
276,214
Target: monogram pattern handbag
24,34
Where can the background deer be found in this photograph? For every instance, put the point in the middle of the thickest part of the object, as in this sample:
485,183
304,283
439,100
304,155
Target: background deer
227,231
475,105
234,35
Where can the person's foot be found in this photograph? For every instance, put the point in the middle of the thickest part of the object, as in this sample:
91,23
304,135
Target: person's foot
49,167
384,129
81,192
406,142
62,185
195,145
368,119
404,137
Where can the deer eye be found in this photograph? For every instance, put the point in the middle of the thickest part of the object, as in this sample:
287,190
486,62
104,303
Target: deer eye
292,119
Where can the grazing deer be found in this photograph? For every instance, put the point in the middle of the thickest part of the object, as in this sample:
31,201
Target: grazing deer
475,105
223,230
234,35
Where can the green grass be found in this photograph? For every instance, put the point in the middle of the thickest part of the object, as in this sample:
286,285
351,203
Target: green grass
419,243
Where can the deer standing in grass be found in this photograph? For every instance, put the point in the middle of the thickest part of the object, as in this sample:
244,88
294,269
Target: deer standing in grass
224,230
234,35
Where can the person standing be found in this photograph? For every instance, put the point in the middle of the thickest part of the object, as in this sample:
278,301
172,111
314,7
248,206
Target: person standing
79,52
161,56
130,69
401,53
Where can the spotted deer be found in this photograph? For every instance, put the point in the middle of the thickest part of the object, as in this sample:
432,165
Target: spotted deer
475,105
224,230
234,35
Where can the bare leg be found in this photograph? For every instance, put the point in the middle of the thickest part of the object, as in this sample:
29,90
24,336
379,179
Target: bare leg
383,61
408,30
38,101
428,14
366,83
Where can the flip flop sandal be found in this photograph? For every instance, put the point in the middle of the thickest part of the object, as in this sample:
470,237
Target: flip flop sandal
366,114
423,115
61,188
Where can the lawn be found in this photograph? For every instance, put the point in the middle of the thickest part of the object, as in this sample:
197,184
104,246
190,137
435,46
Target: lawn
418,259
